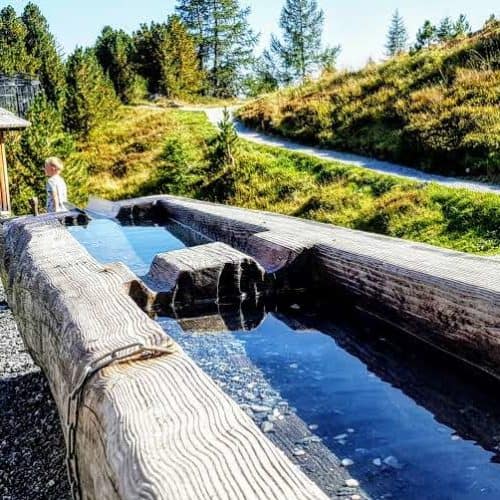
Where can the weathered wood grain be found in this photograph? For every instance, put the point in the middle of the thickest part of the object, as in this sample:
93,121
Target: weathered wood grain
212,273
151,427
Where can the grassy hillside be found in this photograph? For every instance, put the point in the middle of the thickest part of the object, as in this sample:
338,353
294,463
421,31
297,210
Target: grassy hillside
438,109
149,151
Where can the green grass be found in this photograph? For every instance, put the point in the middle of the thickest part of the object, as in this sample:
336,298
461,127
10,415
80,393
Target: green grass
149,151
437,110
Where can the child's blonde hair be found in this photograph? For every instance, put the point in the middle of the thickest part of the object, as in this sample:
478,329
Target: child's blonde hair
55,162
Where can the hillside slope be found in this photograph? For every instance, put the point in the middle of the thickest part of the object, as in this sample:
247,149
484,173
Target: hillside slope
437,109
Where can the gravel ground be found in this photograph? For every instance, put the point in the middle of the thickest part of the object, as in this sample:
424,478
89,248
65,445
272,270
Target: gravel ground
32,452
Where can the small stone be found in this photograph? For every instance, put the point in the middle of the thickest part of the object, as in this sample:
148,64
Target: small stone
340,437
346,462
355,497
298,452
267,427
377,462
455,438
260,408
351,483
350,430
392,461
313,427
294,365
295,307
51,483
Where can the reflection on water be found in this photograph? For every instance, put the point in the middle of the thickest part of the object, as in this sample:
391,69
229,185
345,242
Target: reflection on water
413,425
134,245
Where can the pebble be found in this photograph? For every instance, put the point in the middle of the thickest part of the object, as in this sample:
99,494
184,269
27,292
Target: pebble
355,497
377,462
267,427
313,427
340,437
295,307
351,483
393,462
260,408
298,452
294,365
346,462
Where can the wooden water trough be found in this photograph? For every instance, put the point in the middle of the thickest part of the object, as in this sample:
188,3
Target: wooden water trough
140,419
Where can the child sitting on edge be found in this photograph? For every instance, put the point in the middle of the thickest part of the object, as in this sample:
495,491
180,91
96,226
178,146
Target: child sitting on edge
56,187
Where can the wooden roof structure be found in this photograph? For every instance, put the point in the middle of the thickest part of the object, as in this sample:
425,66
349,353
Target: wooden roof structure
10,121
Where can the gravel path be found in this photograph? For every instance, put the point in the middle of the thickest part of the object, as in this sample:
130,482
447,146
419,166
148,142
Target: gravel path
383,167
31,442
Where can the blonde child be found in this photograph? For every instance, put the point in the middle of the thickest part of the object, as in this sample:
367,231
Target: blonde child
56,187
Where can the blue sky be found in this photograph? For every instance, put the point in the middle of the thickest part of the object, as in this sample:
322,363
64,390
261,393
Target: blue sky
359,26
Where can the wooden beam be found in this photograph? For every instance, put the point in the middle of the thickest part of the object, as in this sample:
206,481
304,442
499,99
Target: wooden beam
4,178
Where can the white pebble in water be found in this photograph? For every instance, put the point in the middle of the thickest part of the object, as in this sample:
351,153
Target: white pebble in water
355,497
350,431
351,483
340,437
294,365
392,461
295,306
377,462
298,452
267,427
346,462
313,427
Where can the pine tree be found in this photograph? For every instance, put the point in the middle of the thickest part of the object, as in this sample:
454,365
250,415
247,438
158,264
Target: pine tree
149,54
445,29
225,41
181,74
41,45
301,22
425,35
461,27
195,14
114,50
397,36
13,55
90,94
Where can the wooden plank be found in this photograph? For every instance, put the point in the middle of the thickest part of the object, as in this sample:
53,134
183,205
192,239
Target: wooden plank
148,427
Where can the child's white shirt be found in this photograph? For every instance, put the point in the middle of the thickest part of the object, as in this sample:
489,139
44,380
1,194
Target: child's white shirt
56,184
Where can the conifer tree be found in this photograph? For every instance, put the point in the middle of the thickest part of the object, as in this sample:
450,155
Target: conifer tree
461,27
425,35
149,53
301,22
14,57
195,14
181,73
263,77
90,94
397,36
225,41
445,29
114,51
41,45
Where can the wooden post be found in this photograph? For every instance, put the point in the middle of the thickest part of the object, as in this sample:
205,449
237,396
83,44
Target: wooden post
4,179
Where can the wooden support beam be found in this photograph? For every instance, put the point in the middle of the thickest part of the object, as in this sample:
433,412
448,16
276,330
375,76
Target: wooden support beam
4,178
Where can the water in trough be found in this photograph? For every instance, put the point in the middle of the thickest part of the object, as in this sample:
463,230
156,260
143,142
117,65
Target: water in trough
407,421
